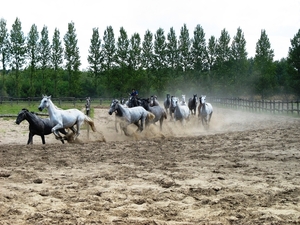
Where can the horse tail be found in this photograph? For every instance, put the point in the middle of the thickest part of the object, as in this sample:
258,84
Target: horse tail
90,122
150,116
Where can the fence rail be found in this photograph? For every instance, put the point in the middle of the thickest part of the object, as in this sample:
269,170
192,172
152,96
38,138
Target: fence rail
271,106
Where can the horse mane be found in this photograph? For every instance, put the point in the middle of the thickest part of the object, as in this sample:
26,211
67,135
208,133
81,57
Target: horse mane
119,111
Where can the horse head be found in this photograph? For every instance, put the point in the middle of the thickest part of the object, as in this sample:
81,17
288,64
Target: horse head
153,100
21,116
113,106
45,102
174,101
202,99
145,103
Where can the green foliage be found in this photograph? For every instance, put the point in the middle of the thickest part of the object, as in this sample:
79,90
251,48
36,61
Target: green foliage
56,60
158,64
18,52
33,54
4,53
95,59
264,67
73,63
294,63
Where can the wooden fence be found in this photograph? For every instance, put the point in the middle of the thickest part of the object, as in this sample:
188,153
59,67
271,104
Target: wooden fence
271,106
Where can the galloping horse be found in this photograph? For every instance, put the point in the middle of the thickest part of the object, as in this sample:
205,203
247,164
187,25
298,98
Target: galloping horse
154,101
134,101
183,102
130,115
192,104
37,125
157,110
167,103
205,111
65,118
173,104
181,113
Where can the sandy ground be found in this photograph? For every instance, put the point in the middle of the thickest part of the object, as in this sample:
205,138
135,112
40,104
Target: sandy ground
243,170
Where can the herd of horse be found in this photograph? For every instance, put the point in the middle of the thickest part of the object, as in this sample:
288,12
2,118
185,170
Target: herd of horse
139,111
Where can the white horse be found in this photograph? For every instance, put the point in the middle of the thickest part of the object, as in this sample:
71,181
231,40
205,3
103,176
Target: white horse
172,107
65,118
130,115
183,102
182,112
117,118
205,111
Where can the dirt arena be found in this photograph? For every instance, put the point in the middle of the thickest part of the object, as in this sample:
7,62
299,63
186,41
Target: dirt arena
244,170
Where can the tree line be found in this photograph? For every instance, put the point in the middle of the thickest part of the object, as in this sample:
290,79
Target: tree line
161,63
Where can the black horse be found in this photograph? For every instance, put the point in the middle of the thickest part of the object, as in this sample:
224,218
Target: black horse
134,101
192,104
167,103
157,110
37,125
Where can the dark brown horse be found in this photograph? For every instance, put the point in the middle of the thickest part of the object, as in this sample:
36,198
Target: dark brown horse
192,104
37,126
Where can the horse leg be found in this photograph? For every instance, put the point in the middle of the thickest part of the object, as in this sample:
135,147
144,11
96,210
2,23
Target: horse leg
30,137
124,128
55,131
43,139
210,116
116,124
73,129
138,125
161,122
78,129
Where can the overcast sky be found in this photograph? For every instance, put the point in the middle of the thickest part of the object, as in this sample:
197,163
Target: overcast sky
280,19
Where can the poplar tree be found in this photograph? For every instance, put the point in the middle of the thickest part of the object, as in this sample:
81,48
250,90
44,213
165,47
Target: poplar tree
109,49
160,60
264,67
198,50
172,50
109,56
147,59
222,62
44,55
18,52
239,64
135,61
122,50
95,57
199,57
33,55
211,57
293,60
135,52
72,58
122,59
4,52
184,48
56,57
